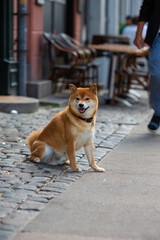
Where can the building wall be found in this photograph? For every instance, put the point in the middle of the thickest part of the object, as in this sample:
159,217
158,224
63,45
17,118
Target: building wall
104,17
35,29
113,14
77,21
125,6
97,13
34,41
135,6
95,18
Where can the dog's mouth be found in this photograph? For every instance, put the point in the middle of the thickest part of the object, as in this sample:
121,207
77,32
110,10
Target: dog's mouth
82,110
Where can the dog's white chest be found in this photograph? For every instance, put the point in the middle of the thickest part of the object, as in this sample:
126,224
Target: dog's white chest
82,138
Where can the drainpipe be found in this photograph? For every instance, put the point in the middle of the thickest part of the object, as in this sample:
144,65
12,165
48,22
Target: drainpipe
22,12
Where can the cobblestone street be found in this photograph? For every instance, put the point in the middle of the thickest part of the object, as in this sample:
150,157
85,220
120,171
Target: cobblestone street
25,187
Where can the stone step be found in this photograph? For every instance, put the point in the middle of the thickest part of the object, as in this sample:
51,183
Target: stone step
16,104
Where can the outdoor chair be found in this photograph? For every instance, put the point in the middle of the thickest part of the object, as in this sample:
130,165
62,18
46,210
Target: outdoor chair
131,74
71,42
87,56
67,64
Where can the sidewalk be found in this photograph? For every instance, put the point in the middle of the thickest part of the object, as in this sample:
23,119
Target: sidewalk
122,203
27,190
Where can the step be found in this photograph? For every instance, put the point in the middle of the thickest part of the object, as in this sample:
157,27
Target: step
17,104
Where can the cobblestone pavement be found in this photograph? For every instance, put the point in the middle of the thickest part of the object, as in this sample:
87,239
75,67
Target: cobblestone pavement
26,188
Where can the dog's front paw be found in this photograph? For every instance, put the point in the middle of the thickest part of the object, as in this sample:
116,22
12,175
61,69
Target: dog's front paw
100,169
77,169
37,160
34,159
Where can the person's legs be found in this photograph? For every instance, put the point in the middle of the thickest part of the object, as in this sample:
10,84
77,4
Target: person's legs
154,70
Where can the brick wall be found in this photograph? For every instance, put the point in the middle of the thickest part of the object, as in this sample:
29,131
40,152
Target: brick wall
34,41
77,22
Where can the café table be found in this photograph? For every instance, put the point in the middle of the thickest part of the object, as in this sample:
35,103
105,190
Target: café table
117,50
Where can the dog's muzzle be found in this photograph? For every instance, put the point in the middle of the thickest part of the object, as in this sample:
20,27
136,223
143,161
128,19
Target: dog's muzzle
81,108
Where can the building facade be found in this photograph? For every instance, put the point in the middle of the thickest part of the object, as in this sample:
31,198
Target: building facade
80,19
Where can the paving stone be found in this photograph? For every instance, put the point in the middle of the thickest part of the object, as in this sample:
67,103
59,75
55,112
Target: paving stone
2,189
37,184
106,145
12,151
22,175
65,179
25,152
11,160
40,179
39,199
24,186
3,214
24,192
13,180
16,156
3,144
2,156
14,197
27,166
58,185
103,153
20,217
12,139
6,210
8,204
4,163
47,195
5,185
32,205
9,227
51,189
6,235
83,162
71,174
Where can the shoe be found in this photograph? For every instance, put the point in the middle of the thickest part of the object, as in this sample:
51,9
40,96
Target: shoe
154,124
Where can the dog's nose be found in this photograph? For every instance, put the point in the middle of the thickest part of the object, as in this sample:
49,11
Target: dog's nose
81,105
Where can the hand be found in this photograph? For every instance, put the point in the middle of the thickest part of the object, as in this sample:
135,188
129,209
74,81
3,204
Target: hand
139,41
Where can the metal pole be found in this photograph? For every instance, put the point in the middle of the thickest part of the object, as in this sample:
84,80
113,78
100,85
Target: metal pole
22,7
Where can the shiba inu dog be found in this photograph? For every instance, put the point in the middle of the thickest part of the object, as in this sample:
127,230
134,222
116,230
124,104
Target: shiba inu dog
68,131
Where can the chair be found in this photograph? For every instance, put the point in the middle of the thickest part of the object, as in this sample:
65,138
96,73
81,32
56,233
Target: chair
87,54
131,72
68,64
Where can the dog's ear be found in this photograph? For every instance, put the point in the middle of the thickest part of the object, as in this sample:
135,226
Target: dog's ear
93,89
72,88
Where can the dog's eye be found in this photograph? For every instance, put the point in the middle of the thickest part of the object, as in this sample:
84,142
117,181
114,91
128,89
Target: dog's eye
87,99
77,98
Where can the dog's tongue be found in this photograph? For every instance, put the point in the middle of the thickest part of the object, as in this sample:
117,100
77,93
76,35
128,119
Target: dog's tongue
82,110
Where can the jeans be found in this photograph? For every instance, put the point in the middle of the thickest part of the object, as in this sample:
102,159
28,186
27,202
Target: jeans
154,70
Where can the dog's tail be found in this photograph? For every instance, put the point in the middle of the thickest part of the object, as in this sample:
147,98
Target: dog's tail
32,138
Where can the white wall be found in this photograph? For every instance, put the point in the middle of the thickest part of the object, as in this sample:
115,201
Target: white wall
115,13
135,6
95,18
113,17
125,6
